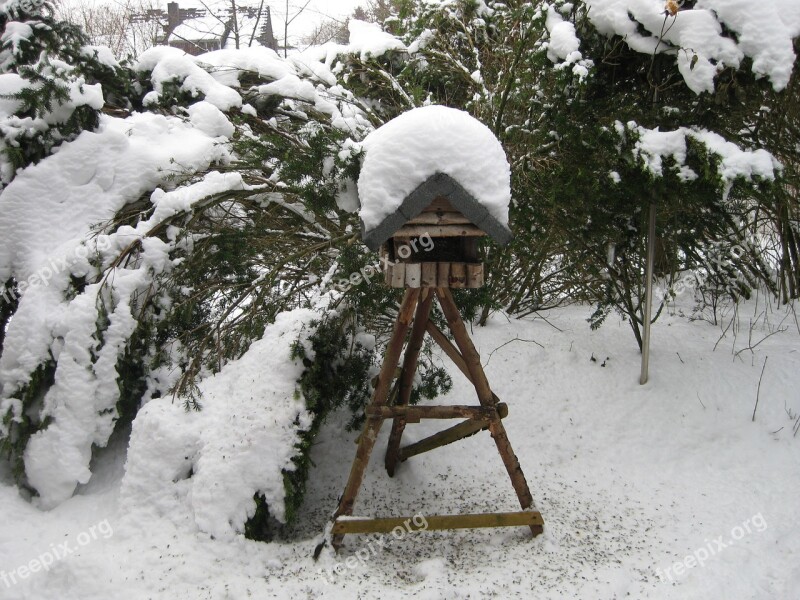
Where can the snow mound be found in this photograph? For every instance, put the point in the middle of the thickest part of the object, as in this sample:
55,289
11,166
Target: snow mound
226,66
406,151
168,65
237,446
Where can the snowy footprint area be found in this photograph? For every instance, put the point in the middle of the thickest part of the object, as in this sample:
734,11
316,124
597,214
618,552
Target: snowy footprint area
630,480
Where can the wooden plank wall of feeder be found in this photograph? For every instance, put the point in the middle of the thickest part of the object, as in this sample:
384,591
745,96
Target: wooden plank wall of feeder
452,266
440,212
447,275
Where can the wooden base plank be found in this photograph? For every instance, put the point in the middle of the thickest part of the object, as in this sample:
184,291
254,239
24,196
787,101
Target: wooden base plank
343,526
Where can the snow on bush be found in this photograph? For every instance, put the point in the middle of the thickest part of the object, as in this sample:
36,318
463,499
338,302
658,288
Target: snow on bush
653,146
84,282
217,459
83,185
705,39
406,151
369,40
17,131
172,66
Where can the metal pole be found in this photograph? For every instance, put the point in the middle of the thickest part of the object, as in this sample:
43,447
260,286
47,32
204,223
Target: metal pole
648,294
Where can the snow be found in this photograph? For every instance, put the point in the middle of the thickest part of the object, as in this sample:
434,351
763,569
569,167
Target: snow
170,64
228,65
82,185
369,40
215,78
630,479
14,33
210,120
238,445
102,54
563,42
10,83
16,131
653,145
403,153
736,162
763,31
290,86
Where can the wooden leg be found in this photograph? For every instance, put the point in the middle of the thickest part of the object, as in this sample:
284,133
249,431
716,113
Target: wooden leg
379,397
469,354
407,376
473,363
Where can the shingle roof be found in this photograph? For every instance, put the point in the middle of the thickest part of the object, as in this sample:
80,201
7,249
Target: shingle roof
435,186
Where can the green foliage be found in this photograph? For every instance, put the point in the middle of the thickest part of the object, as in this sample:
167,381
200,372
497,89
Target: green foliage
20,425
337,366
579,188
56,65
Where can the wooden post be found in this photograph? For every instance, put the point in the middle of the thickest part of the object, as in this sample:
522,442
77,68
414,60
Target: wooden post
398,275
414,414
379,396
407,376
452,352
471,358
475,275
487,398
428,275
488,415
443,274
438,522
458,275
648,294
413,275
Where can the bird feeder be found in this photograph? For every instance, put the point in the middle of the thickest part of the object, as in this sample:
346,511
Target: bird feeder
431,240
434,181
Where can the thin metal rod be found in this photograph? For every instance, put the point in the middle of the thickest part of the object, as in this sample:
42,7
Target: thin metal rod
648,294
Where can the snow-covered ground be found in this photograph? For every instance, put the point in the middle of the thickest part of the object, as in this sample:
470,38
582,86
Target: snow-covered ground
630,480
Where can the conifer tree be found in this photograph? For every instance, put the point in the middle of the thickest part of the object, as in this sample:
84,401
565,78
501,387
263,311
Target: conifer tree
54,83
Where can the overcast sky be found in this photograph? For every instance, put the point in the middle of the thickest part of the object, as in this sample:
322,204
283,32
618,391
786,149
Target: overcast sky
311,12
316,12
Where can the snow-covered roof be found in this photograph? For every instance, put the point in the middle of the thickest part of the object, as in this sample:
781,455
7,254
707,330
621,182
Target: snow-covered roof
428,152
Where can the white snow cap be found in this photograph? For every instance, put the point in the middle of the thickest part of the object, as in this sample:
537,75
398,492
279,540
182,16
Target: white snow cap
368,39
405,152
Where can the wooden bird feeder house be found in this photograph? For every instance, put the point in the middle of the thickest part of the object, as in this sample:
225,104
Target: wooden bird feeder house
429,244
432,239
